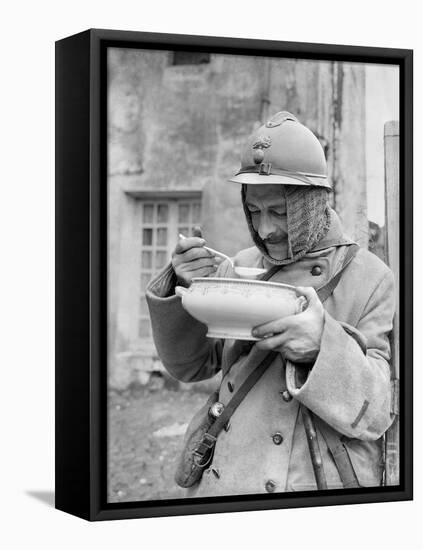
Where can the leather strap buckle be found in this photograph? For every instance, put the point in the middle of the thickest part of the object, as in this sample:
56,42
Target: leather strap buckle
207,442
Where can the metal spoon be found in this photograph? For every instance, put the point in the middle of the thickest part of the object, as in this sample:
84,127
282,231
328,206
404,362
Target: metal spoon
242,272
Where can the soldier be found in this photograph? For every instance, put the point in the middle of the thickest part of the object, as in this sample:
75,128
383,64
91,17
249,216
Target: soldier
332,359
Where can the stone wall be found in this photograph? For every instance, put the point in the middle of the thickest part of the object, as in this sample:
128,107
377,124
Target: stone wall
182,127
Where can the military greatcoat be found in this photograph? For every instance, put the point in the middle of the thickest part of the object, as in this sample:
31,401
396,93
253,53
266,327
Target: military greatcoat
265,448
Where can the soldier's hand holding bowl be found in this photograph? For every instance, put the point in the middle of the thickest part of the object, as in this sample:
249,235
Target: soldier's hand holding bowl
190,259
296,337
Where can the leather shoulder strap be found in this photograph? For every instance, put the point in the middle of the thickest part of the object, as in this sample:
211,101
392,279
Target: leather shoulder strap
236,400
325,291
339,454
269,274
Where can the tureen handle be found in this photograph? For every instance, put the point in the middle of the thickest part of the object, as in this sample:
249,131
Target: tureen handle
302,304
180,291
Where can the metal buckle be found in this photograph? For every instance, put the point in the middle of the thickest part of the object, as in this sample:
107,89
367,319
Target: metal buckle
264,168
206,444
200,462
208,441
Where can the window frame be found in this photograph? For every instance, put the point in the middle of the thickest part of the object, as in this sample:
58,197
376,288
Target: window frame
174,226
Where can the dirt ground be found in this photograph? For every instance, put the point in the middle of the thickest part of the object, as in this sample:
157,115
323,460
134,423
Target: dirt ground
146,428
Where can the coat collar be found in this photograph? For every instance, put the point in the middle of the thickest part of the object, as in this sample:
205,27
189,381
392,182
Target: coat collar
335,235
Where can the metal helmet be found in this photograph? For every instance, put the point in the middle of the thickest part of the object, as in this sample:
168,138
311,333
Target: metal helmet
283,151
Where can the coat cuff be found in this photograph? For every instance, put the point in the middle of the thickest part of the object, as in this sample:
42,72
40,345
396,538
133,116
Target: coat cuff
168,317
163,284
341,387
180,339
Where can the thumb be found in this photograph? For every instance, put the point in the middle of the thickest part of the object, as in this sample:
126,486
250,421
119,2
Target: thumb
308,292
196,232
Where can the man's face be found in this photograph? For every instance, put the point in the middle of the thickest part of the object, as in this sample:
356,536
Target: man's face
267,207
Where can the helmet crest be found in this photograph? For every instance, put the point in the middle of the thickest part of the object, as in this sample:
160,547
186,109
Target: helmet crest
263,142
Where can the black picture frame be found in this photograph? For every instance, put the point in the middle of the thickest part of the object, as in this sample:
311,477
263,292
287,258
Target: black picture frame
81,274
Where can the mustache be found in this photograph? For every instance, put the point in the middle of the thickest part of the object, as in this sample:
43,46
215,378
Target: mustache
275,239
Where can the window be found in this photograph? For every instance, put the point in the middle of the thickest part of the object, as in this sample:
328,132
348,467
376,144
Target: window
190,58
161,222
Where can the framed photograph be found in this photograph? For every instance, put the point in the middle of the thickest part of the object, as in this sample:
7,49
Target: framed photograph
234,274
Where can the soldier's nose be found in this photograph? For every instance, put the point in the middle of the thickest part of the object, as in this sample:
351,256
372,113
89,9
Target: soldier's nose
265,229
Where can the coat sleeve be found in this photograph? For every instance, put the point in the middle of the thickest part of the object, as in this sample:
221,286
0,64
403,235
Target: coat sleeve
349,385
180,340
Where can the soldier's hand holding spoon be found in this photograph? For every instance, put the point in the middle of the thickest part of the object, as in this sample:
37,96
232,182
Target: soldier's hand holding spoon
190,259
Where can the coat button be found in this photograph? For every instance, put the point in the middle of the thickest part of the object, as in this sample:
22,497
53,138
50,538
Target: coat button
277,438
270,486
286,396
230,387
316,270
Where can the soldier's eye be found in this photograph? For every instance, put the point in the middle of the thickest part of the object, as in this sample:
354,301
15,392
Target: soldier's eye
278,214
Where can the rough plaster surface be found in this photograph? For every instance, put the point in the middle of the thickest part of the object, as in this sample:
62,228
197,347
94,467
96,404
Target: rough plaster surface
183,127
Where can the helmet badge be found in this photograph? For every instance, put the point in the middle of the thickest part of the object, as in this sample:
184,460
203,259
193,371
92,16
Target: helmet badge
263,142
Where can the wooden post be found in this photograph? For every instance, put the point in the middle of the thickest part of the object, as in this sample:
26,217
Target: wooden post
391,140
348,150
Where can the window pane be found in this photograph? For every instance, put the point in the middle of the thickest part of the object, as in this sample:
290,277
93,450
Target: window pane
147,237
190,58
162,213
148,213
146,260
144,328
145,279
196,213
161,237
183,213
161,259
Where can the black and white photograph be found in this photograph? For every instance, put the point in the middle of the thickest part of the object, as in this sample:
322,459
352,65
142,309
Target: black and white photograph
211,234
253,272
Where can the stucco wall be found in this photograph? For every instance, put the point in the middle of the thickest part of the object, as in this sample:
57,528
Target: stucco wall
183,126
